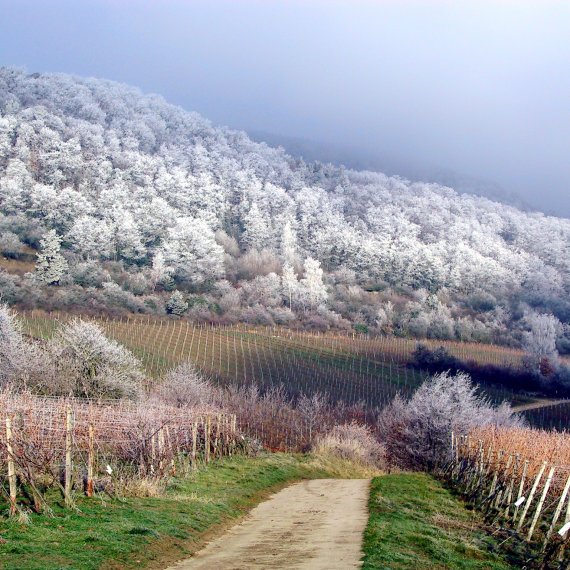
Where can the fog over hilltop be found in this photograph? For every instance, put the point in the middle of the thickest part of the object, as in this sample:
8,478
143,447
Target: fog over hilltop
477,88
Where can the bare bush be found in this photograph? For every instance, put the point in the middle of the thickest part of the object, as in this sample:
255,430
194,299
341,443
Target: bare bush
90,365
184,386
257,263
417,432
353,442
23,363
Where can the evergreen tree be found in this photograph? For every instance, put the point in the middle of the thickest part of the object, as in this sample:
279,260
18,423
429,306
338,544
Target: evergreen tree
50,265
176,305
257,234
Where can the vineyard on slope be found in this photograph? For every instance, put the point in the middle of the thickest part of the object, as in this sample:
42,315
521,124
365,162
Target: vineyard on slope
349,367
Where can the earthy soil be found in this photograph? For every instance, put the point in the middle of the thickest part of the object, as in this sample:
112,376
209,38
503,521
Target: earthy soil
315,525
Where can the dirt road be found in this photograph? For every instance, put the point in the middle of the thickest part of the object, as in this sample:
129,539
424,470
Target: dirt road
542,403
314,524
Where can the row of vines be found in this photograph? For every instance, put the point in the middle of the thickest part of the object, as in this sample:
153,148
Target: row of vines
347,367
520,480
53,449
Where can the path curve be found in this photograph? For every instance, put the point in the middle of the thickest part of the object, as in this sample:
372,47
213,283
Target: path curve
315,525
537,404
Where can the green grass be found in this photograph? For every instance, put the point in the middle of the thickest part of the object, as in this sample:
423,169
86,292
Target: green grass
136,532
416,523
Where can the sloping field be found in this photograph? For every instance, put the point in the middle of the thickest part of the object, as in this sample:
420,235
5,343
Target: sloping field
347,367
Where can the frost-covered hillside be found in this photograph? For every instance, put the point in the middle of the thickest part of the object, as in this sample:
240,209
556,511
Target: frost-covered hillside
149,198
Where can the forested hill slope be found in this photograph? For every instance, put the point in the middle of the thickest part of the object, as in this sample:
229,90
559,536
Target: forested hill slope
149,198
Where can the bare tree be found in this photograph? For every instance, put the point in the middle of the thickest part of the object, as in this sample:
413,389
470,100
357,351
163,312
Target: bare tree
312,410
417,432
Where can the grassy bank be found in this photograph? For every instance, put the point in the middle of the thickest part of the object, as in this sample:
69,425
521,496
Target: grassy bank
416,523
117,533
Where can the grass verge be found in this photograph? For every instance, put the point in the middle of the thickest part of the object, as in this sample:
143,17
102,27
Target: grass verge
113,533
416,523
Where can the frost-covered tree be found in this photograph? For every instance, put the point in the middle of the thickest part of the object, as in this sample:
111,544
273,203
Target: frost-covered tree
290,284
417,432
313,289
191,252
177,304
159,272
541,339
289,245
51,266
91,237
257,233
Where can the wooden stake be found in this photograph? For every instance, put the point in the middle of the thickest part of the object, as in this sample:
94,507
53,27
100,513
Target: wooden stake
540,503
207,441
160,438
521,489
557,512
531,496
90,461
68,458
509,497
194,441
217,438
11,466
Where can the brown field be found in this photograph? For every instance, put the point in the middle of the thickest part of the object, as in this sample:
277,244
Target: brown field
16,266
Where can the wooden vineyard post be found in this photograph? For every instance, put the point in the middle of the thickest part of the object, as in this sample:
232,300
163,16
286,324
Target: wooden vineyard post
160,440
152,454
173,452
509,497
11,466
565,537
557,512
194,441
90,461
521,489
233,433
531,496
68,456
207,441
217,438
540,504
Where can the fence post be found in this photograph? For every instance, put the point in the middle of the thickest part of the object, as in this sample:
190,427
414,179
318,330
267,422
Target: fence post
207,440
194,441
90,461
557,512
521,489
511,488
68,454
11,466
540,503
531,496
160,441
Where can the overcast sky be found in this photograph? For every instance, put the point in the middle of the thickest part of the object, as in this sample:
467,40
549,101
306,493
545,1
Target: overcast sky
479,87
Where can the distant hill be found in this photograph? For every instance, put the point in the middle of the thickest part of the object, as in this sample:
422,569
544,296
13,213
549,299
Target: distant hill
143,198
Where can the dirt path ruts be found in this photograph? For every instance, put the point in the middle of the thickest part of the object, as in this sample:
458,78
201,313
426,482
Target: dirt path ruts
314,524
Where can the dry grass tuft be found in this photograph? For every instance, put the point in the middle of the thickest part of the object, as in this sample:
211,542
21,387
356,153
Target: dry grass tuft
351,444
